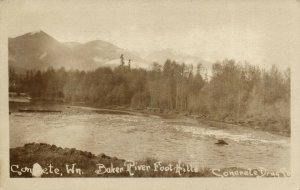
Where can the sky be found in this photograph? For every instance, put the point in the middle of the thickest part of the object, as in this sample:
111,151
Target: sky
263,32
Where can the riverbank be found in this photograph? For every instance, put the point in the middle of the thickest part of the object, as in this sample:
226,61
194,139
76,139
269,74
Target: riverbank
44,160
272,125
90,165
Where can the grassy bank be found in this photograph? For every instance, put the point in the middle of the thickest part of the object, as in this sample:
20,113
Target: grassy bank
45,154
69,162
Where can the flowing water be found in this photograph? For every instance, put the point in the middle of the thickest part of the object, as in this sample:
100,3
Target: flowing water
137,136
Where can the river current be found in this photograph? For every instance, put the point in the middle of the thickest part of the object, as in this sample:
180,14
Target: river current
136,136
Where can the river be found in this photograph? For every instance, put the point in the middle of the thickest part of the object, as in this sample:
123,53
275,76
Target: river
135,136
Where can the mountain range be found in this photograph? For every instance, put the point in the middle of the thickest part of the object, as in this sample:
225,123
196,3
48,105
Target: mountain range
39,51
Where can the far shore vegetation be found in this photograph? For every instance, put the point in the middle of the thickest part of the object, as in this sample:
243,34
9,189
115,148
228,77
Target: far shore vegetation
234,93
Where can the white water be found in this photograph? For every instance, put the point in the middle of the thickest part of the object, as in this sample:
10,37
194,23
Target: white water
134,137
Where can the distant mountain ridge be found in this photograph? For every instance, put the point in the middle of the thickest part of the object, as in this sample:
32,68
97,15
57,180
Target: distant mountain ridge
38,50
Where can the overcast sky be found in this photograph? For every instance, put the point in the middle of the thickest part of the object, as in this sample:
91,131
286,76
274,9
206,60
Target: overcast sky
261,32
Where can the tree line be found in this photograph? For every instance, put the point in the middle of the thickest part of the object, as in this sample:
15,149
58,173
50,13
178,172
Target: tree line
233,91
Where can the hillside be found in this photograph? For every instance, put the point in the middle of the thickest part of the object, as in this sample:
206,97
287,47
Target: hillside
39,50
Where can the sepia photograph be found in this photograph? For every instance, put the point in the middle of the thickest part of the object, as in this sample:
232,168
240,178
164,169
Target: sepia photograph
150,89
